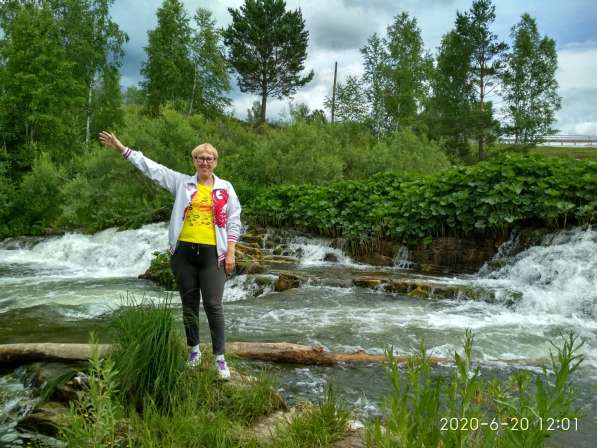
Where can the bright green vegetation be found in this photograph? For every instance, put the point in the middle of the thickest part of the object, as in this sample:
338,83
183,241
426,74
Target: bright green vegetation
573,152
98,189
164,403
466,410
488,197
144,395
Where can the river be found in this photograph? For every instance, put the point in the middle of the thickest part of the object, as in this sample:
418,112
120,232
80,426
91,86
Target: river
58,289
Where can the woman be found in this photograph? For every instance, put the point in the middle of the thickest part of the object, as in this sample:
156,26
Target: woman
203,231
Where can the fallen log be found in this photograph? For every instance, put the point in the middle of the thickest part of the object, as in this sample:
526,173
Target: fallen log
13,355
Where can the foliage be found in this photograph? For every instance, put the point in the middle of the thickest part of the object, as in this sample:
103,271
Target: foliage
468,411
94,44
374,60
210,80
160,404
407,70
351,103
267,48
159,271
96,418
40,94
318,426
38,195
450,109
168,71
486,65
530,85
492,196
149,353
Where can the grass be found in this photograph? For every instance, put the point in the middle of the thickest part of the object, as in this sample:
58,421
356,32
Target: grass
468,411
573,152
166,404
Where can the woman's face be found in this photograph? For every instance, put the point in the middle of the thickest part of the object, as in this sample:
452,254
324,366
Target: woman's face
205,163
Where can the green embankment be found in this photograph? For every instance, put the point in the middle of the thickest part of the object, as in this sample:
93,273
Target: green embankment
489,197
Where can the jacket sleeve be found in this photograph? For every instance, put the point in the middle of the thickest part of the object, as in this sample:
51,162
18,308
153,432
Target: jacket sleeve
233,224
163,176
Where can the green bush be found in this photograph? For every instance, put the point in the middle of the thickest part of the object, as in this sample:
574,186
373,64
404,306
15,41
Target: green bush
489,197
39,196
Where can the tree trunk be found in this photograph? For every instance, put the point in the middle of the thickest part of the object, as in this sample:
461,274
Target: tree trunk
88,116
13,355
193,92
263,103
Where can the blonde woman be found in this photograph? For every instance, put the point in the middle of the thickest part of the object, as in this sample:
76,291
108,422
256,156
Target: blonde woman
203,231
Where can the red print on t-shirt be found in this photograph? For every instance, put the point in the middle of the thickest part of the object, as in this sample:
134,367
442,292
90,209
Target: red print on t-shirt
219,198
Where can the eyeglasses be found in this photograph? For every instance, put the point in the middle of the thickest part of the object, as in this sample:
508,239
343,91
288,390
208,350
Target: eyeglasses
204,159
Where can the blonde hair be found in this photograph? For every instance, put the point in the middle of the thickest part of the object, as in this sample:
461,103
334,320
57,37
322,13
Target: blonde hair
205,147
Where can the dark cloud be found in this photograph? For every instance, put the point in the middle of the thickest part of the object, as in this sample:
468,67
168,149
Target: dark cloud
330,33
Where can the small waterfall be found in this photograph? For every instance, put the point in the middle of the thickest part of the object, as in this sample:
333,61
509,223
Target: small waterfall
558,277
318,252
110,253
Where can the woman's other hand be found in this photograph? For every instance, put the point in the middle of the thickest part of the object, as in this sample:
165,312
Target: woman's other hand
111,140
229,263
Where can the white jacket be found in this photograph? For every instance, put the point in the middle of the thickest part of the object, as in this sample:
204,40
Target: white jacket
226,207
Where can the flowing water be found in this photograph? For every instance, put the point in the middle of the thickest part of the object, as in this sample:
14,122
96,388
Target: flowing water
61,288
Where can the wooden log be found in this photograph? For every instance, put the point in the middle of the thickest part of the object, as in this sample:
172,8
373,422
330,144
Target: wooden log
13,355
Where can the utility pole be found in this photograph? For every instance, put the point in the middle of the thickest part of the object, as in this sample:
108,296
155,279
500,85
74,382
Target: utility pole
334,90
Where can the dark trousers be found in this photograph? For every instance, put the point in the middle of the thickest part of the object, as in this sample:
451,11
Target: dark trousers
195,267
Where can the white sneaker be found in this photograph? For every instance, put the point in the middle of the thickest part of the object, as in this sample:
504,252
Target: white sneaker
222,368
194,359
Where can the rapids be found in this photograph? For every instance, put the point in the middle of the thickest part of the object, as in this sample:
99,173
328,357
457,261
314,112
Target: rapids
60,288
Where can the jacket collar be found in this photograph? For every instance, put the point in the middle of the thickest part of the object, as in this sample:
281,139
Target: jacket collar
218,183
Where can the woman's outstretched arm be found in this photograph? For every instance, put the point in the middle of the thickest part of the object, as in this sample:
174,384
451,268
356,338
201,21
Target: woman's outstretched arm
164,176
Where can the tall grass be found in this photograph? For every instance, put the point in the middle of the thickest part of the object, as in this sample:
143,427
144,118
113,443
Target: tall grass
468,411
149,352
318,426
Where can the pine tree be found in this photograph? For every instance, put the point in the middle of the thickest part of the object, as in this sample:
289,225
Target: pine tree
530,86
267,48
486,66
169,71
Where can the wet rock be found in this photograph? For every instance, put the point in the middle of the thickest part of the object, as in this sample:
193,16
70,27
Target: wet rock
255,268
452,254
253,238
286,280
265,427
330,257
159,271
251,250
57,381
354,438
375,259
46,418
279,261
366,281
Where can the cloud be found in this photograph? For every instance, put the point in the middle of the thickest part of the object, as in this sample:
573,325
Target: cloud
338,28
577,66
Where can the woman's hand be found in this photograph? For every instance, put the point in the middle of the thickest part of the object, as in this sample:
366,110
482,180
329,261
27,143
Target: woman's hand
111,140
229,263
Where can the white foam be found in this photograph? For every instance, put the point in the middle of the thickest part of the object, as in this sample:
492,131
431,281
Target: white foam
110,253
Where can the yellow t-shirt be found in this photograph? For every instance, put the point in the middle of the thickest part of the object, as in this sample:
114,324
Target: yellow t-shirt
198,224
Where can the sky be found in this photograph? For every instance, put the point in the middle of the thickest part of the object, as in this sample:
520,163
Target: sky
339,28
